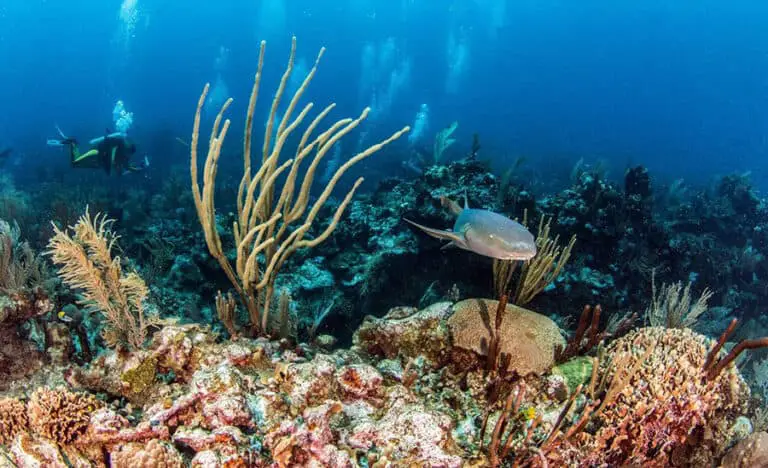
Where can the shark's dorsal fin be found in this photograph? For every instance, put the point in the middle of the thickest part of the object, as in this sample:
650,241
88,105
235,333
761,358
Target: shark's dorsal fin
450,205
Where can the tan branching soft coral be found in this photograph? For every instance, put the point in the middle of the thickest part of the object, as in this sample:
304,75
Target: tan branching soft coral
86,263
153,453
13,419
271,226
530,339
667,412
61,415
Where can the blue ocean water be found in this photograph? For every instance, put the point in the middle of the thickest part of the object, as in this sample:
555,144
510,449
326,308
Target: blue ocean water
681,87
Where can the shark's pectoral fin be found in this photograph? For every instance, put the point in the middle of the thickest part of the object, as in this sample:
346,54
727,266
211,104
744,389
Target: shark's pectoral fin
456,239
449,245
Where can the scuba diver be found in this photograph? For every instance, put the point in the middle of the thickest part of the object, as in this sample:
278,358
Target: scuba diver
112,152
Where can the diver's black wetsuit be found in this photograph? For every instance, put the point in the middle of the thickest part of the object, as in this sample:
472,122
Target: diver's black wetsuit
111,153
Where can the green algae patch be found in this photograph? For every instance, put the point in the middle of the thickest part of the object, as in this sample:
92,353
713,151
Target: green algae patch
141,377
577,371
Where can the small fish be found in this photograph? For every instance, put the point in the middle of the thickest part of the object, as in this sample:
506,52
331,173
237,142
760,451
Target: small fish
529,413
485,232
64,317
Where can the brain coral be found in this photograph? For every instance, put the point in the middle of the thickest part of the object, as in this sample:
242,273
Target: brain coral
667,414
156,453
529,338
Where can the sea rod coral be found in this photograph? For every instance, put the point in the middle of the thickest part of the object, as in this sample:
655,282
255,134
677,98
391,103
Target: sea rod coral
271,225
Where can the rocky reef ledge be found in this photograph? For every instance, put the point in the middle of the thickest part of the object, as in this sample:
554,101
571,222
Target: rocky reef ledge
413,390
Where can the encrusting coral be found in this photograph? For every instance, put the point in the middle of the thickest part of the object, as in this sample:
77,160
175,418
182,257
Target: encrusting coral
750,452
13,419
61,415
155,453
407,332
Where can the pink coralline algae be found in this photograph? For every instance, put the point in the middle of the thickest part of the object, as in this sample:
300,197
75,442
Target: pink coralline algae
222,391
408,434
360,382
306,384
310,442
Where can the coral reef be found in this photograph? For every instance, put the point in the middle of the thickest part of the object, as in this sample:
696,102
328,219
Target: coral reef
398,396
298,330
233,394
